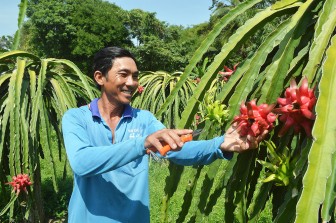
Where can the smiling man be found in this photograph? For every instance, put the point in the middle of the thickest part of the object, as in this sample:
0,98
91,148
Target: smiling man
106,143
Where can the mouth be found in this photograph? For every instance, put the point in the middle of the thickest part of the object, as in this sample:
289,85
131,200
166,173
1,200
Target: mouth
127,92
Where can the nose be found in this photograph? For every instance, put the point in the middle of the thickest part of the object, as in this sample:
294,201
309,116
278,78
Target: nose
130,81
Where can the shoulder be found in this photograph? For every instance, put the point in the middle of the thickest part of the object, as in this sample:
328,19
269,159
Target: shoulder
76,112
147,118
139,113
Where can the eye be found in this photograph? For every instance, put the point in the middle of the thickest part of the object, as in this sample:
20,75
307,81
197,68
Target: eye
135,75
123,74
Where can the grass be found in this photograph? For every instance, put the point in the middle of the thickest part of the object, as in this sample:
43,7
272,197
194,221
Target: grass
56,203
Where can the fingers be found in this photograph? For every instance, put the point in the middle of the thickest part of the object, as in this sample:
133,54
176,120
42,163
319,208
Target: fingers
263,135
172,139
243,145
233,128
254,141
235,142
152,143
234,145
182,131
169,137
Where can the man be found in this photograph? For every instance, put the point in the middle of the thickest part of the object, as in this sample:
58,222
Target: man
106,144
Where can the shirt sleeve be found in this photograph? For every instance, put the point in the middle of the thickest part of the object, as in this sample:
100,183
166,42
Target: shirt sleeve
200,152
154,124
87,160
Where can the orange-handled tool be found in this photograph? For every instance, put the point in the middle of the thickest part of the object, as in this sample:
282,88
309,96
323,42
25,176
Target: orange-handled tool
184,138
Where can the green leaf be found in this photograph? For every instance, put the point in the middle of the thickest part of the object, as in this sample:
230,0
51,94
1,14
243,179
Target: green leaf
32,81
234,42
78,72
328,7
38,98
17,53
12,111
25,134
7,103
273,85
157,86
283,3
206,188
253,67
324,132
4,78
210,38
189,194
317,51
63,93
329,201
18,99
246,163
46,141
259,199
9,204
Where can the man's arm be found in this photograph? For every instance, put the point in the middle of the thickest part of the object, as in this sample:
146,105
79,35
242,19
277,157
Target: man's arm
88,160
206,151
201,152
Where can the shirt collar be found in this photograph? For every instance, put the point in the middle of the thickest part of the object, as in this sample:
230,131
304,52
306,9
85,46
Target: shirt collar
128,111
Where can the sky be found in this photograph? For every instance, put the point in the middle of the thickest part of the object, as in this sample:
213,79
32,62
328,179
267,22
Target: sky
174,12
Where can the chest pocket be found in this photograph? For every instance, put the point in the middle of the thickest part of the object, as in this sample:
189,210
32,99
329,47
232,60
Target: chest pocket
135,167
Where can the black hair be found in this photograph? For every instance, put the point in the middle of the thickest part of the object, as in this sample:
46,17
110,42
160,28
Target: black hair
104,59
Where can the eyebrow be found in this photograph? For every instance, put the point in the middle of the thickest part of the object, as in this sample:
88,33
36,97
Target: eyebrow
129,71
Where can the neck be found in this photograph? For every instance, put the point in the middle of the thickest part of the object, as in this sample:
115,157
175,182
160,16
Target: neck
109,109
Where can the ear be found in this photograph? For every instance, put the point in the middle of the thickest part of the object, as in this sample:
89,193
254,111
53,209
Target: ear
99,77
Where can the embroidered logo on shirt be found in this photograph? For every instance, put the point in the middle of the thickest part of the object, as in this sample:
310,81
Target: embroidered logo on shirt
135,133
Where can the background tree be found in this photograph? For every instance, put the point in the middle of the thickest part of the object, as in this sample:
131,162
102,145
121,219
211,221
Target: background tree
157,54
158,45
74,29
142,24
6,43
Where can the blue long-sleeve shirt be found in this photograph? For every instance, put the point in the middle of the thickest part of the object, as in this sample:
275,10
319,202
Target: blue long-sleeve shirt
111,179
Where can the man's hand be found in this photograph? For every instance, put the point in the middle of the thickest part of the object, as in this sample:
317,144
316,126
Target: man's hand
167,136
233,142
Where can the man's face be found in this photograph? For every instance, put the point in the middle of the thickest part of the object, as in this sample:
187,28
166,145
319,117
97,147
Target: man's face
121,81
